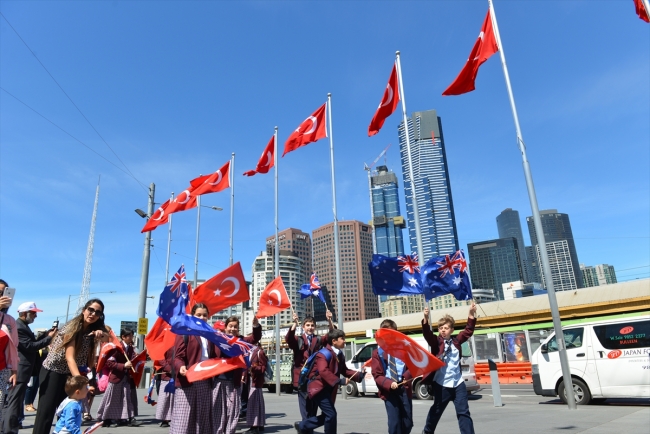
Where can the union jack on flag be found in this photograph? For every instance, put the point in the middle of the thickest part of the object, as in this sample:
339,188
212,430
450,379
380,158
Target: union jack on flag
314,283
446,275
174,297
409,263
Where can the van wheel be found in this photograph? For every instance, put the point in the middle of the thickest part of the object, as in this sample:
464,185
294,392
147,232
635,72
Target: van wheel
351,389
271,388
580,392
421,391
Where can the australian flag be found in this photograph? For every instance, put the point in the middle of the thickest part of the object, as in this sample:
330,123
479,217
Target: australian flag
446,274
312,288
395,276
173,299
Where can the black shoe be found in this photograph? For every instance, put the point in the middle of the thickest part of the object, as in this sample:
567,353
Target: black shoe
164,424
122,422
252,430
296,425
134,422
106,423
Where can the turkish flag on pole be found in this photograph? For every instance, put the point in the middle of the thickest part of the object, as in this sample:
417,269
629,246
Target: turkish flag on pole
218,181
388,104
641,11
266,160
273,299
184,201
159,217
310,130
213,367
485,46
418,360
159,339
138,363
226,289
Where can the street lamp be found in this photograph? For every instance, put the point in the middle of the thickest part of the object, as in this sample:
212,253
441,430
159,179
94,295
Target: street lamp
141,213
70,299
216,208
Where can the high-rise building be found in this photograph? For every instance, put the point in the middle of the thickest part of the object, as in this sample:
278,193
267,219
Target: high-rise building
494,262
556,227
402,305
446,302
533,266
386,218
602,274
432,187
589,276
320,308
355,244
562,268
509,225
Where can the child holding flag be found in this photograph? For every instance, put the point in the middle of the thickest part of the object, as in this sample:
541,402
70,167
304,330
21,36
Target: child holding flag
165,403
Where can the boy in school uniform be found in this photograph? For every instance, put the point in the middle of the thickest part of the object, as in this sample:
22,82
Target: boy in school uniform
448,383
393,381
327,374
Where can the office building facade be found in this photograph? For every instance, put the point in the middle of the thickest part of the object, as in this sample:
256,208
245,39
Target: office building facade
494,262
562,267
355,244
402,305
599,275
386,219
509,225
432,186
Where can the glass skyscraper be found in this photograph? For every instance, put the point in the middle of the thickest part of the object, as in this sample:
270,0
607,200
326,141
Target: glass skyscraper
386,218
509,225
435,205
493,263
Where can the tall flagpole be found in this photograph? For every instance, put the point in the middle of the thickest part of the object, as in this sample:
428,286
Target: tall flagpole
196,254
541,240
232,213
337,252
277,264
169,243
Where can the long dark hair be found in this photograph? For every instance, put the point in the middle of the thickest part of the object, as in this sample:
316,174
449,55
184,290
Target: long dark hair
74,330
200,306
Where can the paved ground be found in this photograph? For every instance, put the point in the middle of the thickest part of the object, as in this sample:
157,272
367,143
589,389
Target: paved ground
523,412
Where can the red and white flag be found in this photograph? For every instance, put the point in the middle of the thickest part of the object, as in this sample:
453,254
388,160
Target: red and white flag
266,160
159,339
159,217
218,181
418,360
310,130
388,103
185,200
103,354
641,11
213,367
273,299
485,46
226,289
138,363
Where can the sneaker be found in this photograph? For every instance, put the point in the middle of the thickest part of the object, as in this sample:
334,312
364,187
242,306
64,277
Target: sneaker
134,422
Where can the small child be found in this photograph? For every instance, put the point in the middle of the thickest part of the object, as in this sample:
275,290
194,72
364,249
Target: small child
69,411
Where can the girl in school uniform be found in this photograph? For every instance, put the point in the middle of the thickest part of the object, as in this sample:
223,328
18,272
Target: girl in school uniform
192,410
165,405
256,413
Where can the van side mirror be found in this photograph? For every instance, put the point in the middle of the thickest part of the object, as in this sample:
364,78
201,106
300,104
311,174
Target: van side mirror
354,359
544,348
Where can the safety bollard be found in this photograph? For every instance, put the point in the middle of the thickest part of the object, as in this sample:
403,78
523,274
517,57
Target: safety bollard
494,379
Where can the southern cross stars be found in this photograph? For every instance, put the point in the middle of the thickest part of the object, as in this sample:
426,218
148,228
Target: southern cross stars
413,282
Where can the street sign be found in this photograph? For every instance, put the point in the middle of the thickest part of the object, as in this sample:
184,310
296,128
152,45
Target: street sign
143,326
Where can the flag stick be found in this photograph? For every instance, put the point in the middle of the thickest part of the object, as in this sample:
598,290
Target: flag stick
169,243
232,211
196,253
541,239
277,264
410,379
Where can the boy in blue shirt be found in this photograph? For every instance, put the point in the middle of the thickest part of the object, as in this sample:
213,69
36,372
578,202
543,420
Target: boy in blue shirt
70,410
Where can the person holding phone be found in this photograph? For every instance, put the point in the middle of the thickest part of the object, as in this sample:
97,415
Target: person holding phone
71,348
8,343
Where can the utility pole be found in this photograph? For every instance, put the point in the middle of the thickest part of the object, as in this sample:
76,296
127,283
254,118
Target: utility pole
144,278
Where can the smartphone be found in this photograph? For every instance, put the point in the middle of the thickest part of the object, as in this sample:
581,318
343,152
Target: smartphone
55,324
9,292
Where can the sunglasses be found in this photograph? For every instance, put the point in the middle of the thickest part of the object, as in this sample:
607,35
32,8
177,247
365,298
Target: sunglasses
94,311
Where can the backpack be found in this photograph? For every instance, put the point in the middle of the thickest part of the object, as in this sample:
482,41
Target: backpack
309,364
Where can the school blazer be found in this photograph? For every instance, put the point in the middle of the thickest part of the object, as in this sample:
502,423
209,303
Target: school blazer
241,375
436,342
258,367
302,351
383,382
188,355
115,360
327,375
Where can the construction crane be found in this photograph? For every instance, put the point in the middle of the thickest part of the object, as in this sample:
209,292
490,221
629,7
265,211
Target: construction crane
369,168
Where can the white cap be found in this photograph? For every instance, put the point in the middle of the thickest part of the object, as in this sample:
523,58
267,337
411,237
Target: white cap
28,306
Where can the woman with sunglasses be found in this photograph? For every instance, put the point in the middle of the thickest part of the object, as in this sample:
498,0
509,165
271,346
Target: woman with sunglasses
71,349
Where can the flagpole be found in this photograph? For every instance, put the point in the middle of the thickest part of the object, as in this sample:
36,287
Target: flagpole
196,254
541,239
232,212
277,264
169,243
374,234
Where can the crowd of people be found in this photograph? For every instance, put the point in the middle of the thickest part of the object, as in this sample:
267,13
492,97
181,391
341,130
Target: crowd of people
69,366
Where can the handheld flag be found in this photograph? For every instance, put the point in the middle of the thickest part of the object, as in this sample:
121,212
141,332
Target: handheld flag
446,274
230,346
159,217
173,299
485,46
418,360
213,367
388,103
148,397
641,11
159,339
103,355
310,130
138,363
312,289
273,299
266,160
218,181
226,289
395,276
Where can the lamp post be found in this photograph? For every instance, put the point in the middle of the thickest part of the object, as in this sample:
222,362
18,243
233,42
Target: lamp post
67,312
144,277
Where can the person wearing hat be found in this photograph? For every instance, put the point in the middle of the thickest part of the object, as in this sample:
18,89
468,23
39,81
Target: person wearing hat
28,348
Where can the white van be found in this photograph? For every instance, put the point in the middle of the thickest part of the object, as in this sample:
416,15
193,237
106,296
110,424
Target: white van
419,390
608,359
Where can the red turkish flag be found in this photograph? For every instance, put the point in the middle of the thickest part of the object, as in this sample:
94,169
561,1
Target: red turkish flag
640,10
388,104
218,181
103,354
418,360
310,130
485,46
223,290
184,201
266,160
159,217
273,299
159,339
213,367
138,363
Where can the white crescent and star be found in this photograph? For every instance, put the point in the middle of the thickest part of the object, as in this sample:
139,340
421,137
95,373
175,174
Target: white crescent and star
278,295
314,124
422,362
235,282
218,178
199,367
389,89
162,213
187,197
269,157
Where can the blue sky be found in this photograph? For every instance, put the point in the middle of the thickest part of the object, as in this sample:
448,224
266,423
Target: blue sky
175,87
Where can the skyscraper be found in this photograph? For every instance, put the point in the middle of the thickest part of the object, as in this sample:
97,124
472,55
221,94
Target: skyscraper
562,268
493,263
509,225
386,218
556,227
355,243
435,205
602,274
